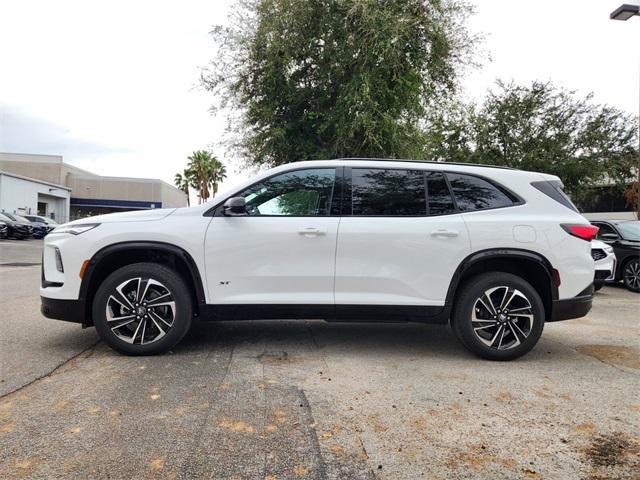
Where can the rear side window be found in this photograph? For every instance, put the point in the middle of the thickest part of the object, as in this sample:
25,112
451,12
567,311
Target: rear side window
553,189
438,195
388,192
474,193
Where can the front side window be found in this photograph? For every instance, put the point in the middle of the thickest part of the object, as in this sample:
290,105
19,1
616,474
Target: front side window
300,193
387,192
474,193
604,229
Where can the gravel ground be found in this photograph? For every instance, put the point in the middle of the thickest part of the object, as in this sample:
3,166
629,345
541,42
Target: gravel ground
309,399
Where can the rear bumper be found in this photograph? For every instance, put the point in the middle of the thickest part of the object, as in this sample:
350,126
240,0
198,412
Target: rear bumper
66,310
575,307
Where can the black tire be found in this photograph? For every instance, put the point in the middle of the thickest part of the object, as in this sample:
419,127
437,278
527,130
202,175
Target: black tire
631,275
170,314
521,330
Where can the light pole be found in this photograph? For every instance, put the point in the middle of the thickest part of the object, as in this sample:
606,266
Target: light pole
625,12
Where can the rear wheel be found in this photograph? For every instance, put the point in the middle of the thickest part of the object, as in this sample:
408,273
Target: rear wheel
142,309
631,275
498,316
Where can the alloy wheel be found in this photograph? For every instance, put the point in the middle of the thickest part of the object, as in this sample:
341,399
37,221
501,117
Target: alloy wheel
140,311
502,318
632,275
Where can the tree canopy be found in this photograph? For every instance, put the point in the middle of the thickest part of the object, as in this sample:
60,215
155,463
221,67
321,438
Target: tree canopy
327,78
542,128
204,173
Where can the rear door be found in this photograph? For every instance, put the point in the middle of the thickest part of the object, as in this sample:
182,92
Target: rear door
396,244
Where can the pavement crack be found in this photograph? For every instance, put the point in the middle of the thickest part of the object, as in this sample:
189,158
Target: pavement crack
54,370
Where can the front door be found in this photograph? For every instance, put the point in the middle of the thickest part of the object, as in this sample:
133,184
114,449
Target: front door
283,250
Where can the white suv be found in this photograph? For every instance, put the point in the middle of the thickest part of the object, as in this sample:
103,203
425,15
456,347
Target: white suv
494,251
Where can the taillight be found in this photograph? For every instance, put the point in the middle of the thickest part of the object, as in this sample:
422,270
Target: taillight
585,232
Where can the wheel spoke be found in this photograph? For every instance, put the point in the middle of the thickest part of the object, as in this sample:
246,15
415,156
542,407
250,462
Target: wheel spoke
498,335
484,327
117,319
154,314
162,332
126,322
519,331
488,305
515,335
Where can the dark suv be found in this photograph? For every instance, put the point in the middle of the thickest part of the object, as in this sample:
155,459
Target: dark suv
624,237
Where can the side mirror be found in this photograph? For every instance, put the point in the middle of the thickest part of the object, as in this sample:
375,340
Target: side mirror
609,237
234,206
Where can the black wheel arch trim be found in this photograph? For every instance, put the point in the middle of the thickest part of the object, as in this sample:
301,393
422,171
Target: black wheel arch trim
163,247
498,253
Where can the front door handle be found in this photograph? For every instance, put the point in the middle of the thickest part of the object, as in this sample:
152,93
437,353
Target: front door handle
443,232
311,232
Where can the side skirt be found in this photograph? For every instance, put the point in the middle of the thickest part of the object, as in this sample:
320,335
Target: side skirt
330,313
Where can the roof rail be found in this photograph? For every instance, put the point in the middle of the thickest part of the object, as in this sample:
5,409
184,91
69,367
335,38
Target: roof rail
426,161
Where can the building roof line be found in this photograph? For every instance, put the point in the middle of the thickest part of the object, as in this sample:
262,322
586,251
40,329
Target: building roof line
35,180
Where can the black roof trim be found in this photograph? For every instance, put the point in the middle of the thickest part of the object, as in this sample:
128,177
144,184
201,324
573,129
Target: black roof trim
462,164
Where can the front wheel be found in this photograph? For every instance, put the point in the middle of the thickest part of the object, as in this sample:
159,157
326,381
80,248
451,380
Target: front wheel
142,309
498,316
631,275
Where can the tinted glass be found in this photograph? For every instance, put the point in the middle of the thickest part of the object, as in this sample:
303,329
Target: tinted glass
299,193
474,193
630,230
388,192
438,194
554,190
604,228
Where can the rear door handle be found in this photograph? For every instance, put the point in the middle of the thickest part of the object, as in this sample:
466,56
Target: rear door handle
311,231
443,232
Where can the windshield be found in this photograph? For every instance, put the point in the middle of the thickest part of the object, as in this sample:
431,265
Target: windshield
630,230
20,218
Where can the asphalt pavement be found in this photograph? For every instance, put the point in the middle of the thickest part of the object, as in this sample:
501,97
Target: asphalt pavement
309,399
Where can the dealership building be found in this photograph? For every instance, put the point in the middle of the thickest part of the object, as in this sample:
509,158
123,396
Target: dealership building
45,185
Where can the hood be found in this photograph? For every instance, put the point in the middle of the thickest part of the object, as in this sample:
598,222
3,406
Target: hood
135,216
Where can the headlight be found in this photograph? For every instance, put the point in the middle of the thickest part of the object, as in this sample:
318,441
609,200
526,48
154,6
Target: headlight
75,229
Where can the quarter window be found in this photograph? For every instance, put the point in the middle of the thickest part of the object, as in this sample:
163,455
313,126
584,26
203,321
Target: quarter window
474,193
299,193
388,192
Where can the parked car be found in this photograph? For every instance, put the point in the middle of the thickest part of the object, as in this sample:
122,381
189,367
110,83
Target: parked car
497,252
39,218
605,263
4,230
624,237
19,229
40,227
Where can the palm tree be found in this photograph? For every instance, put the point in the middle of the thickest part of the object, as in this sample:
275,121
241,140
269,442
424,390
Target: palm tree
182,181
219,173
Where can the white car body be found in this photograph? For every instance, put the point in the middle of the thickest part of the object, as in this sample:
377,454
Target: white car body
338,261
604,260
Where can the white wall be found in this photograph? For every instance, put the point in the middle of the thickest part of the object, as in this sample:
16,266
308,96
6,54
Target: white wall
21,195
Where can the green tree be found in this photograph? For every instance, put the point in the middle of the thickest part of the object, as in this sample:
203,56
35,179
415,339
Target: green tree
182,181
336,78
204,173
541,128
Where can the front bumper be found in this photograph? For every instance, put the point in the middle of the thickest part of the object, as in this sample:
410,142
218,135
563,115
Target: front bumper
67,310
575,307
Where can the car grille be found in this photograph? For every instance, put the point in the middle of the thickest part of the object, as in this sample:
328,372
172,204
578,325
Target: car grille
598,254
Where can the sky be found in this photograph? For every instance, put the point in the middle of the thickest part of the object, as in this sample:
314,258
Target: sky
113,86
